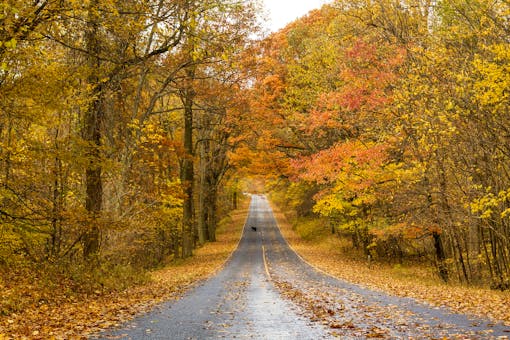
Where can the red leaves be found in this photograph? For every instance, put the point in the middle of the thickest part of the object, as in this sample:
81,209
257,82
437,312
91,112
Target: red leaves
326,165
367,72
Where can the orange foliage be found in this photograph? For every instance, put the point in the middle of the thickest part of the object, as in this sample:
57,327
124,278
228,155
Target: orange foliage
326,165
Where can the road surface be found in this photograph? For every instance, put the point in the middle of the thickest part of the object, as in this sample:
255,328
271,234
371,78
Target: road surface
266,291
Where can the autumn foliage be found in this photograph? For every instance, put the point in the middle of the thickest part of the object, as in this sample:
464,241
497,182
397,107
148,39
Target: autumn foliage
116,121
388,121
129,128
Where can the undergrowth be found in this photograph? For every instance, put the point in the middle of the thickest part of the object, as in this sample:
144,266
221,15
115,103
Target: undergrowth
63,301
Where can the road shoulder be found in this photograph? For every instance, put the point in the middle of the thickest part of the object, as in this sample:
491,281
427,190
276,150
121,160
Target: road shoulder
467,300
92,314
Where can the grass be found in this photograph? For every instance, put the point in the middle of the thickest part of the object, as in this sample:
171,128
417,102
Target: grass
332,255
80,316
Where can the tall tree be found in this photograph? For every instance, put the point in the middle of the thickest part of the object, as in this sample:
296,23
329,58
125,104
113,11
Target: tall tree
388,110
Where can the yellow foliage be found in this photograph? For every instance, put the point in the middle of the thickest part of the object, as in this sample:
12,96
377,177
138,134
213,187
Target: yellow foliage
492,88
490,203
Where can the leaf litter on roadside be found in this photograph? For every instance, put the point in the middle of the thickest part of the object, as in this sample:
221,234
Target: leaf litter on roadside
346,313
59,317
416,284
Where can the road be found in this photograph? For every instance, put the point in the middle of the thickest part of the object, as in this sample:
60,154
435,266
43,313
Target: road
266,291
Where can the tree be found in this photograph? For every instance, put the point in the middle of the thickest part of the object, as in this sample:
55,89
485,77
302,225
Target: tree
388,110
107,79
109,52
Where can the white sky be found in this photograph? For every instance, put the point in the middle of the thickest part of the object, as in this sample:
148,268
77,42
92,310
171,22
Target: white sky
281,12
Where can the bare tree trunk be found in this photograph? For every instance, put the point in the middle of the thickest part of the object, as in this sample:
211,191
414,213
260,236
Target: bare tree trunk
92,135
235,199
212,207
440,255
187,173
456,237
203,219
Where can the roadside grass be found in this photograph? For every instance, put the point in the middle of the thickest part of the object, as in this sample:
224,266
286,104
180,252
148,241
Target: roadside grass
333,256
59,316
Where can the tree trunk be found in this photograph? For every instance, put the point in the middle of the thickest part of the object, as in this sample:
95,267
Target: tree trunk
211,226
488,258
92,135
461,257
235,199
187,168
203,219
440,255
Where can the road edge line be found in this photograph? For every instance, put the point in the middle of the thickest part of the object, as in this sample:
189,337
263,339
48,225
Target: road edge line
224,264
242,235
298,255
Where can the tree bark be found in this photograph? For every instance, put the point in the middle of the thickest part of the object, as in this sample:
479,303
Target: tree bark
92,136
440,255
187,174
203,194
212,207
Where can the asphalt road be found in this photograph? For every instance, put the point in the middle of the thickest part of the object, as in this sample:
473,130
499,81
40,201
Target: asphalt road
266,291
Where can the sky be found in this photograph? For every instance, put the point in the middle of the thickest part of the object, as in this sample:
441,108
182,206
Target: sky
281,12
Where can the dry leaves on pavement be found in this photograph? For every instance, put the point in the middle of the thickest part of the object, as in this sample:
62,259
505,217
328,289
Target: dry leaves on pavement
409,282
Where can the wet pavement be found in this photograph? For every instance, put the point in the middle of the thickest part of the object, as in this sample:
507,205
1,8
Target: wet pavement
266,291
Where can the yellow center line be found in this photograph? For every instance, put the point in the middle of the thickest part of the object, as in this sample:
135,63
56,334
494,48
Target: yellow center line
265,262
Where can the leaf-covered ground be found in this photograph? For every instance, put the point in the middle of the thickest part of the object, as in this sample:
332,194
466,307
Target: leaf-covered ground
62,318
414,282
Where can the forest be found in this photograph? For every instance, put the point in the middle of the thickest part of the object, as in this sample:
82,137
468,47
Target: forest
130,129
114,114
388,122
